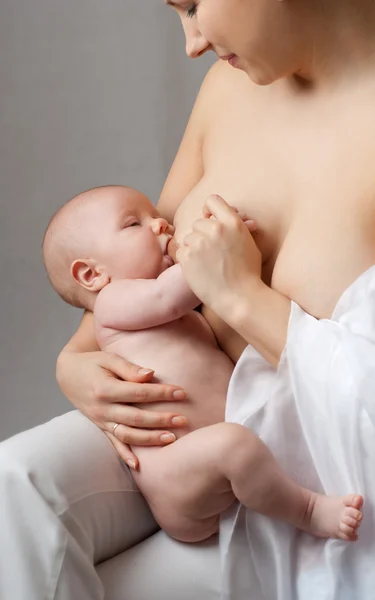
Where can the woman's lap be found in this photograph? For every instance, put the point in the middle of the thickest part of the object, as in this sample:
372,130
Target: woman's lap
69,502
160,568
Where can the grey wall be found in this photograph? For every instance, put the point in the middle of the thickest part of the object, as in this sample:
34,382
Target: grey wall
91,92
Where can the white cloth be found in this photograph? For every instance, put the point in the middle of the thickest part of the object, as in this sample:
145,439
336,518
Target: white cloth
71,519
316,413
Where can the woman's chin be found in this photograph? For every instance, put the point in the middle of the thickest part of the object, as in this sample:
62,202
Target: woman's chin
258,75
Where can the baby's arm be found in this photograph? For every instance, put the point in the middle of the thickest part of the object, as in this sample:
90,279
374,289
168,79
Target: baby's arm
132,304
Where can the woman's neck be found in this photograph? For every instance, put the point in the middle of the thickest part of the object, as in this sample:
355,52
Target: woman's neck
339,40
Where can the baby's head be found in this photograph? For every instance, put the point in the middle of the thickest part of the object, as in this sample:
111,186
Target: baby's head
108,233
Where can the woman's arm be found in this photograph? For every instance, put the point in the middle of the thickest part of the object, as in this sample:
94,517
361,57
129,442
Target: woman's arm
260,315
84,338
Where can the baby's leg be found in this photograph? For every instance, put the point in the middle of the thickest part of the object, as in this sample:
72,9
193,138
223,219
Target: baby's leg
189,483
184,484
259,483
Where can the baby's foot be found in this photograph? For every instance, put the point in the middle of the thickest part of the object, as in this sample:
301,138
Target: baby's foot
334,516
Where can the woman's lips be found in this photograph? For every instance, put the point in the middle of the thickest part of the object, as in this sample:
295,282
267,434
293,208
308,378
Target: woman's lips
233,60
230,58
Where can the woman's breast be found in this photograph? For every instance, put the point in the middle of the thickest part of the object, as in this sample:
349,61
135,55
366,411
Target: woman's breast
309,187
269,209
313,247
320,257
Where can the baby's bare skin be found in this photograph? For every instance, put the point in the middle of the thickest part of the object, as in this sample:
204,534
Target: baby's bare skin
184,353
119,266
190,483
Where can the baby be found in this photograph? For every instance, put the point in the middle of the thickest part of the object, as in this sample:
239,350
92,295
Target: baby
107,251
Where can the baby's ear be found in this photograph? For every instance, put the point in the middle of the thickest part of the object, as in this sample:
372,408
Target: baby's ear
89,274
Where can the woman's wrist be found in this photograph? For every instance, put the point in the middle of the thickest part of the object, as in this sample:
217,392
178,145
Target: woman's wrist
259,314
233,304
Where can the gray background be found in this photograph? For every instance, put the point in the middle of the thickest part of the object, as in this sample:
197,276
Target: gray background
91,92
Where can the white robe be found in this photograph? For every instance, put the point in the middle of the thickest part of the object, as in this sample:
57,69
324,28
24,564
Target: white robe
316,413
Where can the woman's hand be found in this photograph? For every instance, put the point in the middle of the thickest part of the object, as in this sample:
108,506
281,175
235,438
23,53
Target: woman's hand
219,258
99,384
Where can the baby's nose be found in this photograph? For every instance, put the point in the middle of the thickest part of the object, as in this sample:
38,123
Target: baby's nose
159,225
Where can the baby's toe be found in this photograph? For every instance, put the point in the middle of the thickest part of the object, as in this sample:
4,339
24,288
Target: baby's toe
354,501
350,521
353,513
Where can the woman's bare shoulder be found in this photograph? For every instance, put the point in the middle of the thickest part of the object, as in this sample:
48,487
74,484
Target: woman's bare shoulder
224,79
224,89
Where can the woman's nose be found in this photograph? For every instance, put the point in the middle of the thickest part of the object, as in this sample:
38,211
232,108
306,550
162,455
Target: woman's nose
196,45
159,225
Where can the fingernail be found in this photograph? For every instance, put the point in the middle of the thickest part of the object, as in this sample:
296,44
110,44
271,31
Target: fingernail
167,437
145,371
131,464
179,421
179,395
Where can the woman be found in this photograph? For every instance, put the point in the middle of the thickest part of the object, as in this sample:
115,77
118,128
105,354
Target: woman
281,152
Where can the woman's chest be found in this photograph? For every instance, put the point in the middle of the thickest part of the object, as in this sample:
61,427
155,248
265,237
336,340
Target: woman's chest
308,180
